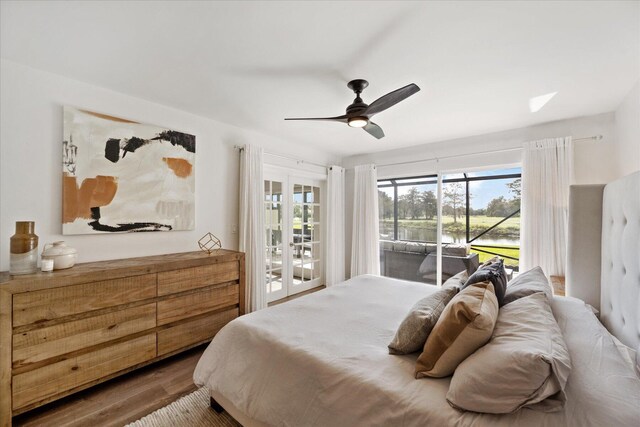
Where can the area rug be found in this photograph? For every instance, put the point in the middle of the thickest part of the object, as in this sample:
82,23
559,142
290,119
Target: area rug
191,410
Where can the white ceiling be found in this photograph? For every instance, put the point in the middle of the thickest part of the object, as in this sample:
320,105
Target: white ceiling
253,63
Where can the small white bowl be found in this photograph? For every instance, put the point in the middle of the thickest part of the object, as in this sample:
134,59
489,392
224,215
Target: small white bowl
62,255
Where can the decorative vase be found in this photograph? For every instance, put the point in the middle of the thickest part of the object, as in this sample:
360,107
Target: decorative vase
24,249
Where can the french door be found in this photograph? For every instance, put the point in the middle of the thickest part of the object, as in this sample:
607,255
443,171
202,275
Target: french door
293,234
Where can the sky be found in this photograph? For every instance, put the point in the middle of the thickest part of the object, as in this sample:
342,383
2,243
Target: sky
482,192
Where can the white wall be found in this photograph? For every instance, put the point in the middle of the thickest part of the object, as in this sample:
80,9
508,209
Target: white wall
594,161
627,129
31,164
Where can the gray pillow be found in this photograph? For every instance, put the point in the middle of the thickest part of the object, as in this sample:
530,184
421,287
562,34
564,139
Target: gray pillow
527,283
457,281
417,325
525,363
494,273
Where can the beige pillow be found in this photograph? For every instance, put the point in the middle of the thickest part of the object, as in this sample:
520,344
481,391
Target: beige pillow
457,281
416,326
526,363
465,325
527,283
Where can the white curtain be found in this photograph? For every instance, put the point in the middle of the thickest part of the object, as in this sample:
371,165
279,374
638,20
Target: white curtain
252,226
335,270
365,253
547,171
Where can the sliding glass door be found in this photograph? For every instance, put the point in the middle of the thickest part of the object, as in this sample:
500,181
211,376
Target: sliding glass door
480,218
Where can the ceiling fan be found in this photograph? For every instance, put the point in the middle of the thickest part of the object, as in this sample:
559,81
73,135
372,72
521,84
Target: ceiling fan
359,114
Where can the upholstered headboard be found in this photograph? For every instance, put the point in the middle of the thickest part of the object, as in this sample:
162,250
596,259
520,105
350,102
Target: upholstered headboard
620,266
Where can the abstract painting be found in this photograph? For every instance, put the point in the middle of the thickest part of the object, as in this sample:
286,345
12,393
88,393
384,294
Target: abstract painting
123,176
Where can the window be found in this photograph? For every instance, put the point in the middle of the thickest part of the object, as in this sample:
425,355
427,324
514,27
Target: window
483,209
407,208
480,210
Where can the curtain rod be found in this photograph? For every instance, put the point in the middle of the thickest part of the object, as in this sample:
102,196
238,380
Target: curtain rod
282,156
504,150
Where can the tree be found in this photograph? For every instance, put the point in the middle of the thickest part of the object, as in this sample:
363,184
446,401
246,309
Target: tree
403,207
429,204
413,202
498,207
453,197
515,187
385,205
514,205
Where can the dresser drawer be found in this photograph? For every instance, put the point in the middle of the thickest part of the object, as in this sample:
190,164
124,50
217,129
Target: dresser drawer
170,282
38,306
193,304
194,331
44,343
33,386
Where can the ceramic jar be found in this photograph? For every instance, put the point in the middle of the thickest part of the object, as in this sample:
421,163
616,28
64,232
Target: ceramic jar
23,253
62,255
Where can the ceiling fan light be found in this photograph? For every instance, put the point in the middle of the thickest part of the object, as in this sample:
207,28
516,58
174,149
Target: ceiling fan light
358,122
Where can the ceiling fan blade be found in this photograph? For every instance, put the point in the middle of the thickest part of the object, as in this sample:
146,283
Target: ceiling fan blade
390,99
374,129
333,119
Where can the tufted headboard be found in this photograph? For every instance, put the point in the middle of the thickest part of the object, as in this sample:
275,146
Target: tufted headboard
620,266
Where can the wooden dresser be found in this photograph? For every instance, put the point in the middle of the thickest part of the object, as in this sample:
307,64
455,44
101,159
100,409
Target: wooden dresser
64,331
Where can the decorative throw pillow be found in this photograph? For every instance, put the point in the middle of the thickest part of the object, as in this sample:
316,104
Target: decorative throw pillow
457,281
490,261
415,328
527,283
493,272
464,326
526,363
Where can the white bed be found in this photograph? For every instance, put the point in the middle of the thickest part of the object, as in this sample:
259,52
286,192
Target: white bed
322,360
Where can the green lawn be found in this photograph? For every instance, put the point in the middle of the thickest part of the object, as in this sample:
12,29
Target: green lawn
508,251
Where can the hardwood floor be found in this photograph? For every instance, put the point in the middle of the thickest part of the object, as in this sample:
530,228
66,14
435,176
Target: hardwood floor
123,399
558,285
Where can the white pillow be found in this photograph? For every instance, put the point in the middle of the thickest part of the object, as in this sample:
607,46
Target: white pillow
527,283
525,363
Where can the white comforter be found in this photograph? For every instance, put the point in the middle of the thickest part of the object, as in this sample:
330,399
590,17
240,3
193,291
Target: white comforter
322,360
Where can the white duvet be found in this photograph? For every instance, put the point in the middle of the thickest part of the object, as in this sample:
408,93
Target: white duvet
322,360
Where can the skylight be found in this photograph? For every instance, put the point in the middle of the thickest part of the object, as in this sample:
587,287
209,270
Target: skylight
537,102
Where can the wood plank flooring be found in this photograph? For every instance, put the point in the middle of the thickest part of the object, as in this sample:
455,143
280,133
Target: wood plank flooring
121,400
558,285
